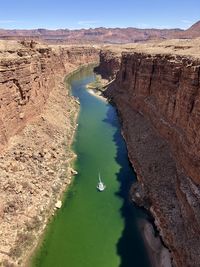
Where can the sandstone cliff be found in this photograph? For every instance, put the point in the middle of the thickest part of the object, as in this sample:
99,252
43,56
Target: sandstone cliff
157,97
166,90
109,67
37,122
27,76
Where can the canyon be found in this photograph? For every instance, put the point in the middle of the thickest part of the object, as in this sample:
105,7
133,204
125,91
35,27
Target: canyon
156,93
37,124
155,87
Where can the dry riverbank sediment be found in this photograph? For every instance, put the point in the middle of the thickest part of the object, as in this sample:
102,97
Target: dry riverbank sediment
97,94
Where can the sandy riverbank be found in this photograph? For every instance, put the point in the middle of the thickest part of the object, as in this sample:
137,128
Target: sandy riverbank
158,254
97,94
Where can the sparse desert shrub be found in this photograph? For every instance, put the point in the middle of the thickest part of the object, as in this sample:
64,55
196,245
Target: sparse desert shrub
6,263
34,224
23,240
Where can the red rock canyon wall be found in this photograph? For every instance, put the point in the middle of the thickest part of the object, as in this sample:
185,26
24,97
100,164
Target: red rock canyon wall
158,100
27,76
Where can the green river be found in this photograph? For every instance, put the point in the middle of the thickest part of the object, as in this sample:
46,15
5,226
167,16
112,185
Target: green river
95,229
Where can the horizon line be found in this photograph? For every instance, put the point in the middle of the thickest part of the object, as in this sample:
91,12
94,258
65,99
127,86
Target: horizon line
93,28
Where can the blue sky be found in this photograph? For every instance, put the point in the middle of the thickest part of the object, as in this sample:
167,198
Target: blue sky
75,14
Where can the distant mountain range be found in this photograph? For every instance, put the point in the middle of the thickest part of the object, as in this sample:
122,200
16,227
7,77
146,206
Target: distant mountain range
101,35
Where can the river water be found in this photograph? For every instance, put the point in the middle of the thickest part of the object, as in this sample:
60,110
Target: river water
95,229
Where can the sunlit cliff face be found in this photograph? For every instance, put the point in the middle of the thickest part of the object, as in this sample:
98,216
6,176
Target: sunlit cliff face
27,77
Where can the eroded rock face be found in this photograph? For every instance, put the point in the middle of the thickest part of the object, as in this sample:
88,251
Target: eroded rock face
166,89
109,64
157,97
27,76
37,123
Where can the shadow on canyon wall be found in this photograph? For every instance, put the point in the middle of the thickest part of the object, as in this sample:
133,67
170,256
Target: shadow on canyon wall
130,247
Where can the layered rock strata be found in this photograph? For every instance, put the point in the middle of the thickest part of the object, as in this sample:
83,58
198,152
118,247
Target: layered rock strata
38,119
157,97
109,64
27,76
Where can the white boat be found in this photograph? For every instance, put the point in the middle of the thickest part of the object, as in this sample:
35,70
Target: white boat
101,186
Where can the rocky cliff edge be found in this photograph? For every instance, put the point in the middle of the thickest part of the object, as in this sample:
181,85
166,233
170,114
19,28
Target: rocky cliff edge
157,95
